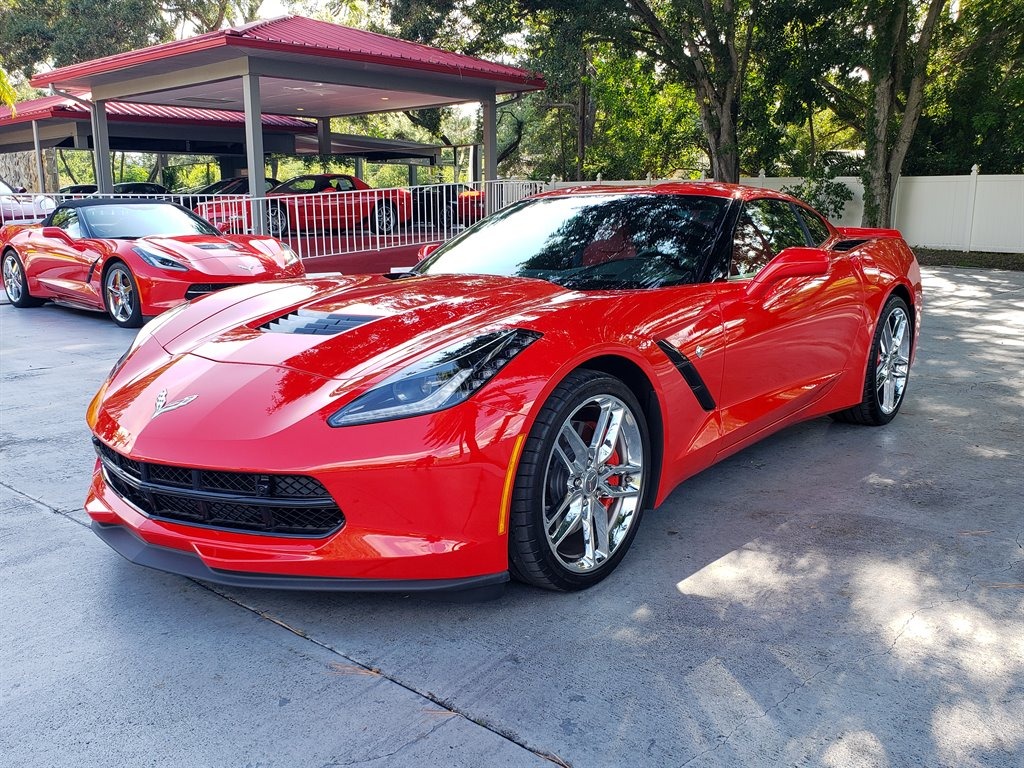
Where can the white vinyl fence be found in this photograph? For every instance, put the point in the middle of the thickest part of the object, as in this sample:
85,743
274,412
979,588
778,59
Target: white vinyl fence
971,212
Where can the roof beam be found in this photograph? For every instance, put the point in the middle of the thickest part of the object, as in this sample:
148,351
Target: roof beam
181,78
369,76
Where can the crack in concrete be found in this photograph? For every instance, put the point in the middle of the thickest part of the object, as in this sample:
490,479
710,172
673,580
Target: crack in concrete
497,730
386,755
66,513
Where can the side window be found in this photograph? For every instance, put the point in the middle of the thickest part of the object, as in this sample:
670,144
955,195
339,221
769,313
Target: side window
765,228
815,225
342,184
751,249
72,226
60,218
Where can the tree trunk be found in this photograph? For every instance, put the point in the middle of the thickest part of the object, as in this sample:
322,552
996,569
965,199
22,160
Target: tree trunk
890,129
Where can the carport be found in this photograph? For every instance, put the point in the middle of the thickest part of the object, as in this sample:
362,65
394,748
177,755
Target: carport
291,66
64,122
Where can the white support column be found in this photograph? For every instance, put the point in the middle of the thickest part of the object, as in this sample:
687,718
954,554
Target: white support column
490,115
490,139
101,148
256,162
39,156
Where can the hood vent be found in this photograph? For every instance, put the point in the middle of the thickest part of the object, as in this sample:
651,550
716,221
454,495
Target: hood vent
219,247
313,323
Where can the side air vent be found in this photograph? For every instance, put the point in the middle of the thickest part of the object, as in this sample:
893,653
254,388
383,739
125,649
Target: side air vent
314,323
848,245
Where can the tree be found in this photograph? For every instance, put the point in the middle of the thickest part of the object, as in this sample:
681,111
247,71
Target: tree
899,52
38,32
974,96
7,94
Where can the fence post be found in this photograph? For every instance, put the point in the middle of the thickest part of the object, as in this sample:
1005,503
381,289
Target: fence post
972,197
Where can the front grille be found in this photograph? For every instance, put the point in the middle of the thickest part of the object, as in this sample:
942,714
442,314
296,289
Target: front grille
308,321
282,505
201,289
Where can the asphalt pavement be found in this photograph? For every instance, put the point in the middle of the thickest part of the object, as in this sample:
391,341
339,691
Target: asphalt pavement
834,596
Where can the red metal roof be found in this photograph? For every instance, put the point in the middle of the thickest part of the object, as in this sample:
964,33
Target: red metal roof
297,34
60,107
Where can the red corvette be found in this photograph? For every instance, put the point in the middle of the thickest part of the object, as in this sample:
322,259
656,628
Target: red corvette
512,405
131,259
317,203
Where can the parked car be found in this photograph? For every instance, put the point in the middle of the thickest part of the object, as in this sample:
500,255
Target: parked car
79,189
131,259
17,205
511,405
447,204
140,188
233,185
319,203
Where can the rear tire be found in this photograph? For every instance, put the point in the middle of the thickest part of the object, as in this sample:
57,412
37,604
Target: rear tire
121,296
277,221
384,218
16,282
888,368
580,486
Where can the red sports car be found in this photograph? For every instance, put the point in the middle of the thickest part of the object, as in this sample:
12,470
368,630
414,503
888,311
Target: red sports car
511,405
132,259
317,203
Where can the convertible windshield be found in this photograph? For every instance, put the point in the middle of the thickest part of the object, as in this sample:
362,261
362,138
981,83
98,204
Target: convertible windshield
595,242
129,222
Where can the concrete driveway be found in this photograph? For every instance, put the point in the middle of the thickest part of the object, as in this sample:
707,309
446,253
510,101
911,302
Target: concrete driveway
835,596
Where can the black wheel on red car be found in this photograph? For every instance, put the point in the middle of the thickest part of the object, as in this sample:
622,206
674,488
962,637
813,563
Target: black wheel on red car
15,282
385,218
121,296
581,483
888,369
277,221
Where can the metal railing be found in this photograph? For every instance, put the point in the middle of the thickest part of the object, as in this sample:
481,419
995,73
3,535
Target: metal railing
324,224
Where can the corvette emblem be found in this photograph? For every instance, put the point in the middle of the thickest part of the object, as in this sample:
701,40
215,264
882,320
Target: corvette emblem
700,351
162,406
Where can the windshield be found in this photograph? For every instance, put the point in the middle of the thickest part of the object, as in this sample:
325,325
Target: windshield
591,242
128,222
217,186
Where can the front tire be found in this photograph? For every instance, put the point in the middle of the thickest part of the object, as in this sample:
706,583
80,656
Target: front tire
16,282
888,369
121,296
580,486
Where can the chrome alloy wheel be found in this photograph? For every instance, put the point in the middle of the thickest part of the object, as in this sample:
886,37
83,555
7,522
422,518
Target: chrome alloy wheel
593,483
893,364
384,217
14,278
120,295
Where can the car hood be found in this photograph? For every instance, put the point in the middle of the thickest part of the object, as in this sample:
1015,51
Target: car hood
348,328
198,248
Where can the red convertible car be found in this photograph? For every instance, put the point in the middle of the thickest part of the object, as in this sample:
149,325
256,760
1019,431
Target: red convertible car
512,405
131,259
317,203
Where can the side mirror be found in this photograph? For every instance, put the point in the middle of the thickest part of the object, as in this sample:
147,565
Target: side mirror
426,250
56,233
21,190
791,262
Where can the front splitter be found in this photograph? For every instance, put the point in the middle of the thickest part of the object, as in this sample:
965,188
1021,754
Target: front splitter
135,550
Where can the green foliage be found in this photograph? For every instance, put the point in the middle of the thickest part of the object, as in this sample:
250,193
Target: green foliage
974,109
7,94
62,32
822,191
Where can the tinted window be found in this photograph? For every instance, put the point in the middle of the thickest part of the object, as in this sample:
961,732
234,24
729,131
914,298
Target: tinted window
816,226
299,185
591,242
72,225
129,222
60,217
778,223
341,184
751,249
